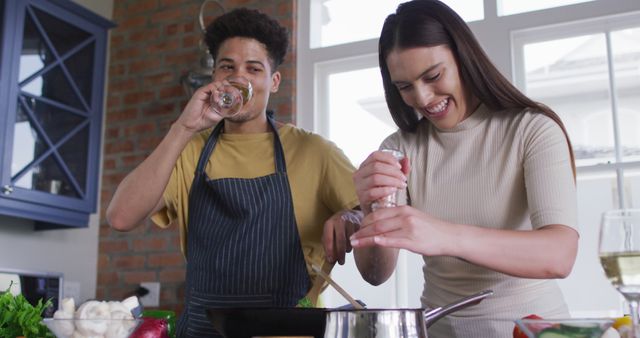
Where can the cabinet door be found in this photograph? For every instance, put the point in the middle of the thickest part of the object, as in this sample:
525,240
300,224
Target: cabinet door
1,32
53,115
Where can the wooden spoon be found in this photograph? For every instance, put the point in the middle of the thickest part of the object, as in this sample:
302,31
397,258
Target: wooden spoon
335,285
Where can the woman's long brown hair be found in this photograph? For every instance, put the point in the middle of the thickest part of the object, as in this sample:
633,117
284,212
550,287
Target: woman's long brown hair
427,23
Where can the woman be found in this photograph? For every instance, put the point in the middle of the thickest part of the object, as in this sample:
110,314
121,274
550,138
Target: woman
491,184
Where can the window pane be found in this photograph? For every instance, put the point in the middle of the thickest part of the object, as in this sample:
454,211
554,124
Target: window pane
54,84
469,10
626,61
596,194
632,188
571,76
348,277
64,36
342,21
356,99
508,7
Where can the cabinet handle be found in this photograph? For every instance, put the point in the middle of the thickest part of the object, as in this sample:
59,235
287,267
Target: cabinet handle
7,189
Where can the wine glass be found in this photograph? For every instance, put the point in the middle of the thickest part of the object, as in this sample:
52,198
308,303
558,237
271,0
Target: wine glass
619,251
235,92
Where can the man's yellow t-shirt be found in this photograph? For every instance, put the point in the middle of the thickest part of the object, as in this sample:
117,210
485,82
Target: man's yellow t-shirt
320,178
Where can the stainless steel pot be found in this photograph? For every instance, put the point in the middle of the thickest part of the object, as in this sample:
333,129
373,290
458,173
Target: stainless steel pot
399,323
333,323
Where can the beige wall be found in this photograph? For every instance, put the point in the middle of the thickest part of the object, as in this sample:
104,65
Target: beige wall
100,7
72,252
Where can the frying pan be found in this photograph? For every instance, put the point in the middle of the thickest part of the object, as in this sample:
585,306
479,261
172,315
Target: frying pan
333,323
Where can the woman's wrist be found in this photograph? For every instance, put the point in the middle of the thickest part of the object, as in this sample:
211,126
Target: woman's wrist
460,239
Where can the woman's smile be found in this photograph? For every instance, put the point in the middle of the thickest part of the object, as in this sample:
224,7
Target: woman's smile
438,110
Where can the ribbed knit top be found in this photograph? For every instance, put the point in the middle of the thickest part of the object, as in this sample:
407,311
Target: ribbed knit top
496,169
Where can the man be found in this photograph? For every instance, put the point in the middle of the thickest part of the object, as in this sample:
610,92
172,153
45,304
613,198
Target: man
251,195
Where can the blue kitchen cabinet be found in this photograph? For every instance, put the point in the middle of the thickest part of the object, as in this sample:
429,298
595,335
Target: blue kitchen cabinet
52,77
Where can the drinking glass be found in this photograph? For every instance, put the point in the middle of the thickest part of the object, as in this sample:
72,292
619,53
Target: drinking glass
619,251
236,91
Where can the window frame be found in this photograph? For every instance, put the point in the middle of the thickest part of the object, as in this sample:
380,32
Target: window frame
600,25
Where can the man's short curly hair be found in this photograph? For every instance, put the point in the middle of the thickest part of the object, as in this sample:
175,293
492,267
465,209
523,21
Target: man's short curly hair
249,23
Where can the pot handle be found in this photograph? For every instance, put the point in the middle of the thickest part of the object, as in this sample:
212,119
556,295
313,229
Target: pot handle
433,315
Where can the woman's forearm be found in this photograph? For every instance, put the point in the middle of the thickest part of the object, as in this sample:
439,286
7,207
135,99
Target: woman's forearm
548,252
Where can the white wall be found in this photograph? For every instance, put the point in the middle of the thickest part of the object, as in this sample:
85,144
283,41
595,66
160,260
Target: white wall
73,252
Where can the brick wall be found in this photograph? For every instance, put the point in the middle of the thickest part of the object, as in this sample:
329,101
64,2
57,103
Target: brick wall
153,46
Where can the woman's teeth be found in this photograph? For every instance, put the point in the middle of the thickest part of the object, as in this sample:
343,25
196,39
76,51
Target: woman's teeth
439,107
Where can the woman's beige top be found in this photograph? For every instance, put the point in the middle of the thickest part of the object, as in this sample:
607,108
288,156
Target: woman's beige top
502,170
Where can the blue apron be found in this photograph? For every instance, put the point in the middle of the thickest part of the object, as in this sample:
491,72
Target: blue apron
243,247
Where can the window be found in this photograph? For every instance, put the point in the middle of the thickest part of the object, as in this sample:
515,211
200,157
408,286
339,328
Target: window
336,22
591,80
508,7
558,56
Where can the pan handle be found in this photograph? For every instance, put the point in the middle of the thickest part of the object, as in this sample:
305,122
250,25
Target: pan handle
433,315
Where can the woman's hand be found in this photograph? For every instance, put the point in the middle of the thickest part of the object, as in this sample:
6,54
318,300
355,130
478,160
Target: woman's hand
549,251
403,227
378,176
198,114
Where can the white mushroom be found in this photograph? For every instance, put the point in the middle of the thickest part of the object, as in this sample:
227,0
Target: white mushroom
133,304
64,323
68,305
119,311
118,329
92,315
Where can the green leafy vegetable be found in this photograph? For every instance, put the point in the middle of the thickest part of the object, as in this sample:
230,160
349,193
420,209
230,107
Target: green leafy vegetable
304,302
19,318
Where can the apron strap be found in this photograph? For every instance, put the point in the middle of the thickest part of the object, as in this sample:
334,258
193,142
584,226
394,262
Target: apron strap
208,147
278,152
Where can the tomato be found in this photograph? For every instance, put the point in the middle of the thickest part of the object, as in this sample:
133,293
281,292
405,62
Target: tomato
518,333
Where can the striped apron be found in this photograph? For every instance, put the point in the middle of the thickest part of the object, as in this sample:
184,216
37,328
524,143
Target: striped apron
243,244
